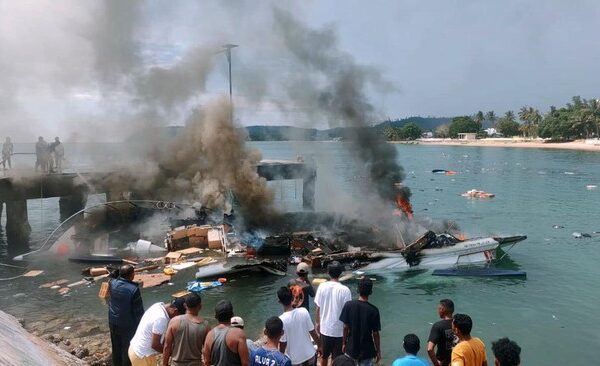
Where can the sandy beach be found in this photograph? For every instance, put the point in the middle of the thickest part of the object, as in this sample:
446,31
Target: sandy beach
581,145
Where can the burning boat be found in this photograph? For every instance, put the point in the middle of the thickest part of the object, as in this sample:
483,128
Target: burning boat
428,251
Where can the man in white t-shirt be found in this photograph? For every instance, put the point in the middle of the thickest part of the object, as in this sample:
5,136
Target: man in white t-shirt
148,339
297,332
330,299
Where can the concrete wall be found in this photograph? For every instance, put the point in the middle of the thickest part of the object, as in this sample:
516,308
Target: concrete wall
21,348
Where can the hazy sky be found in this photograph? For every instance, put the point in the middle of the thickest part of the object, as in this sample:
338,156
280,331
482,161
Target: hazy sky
445,58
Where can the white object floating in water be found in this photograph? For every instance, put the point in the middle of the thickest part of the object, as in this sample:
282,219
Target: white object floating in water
569,173
590,187
67,328
144,246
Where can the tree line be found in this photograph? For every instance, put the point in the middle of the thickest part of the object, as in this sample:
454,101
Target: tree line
579,118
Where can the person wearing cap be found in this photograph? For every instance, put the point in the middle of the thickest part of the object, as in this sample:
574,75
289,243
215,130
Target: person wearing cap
304,284
125,310
238,322
298,332
185,335
225,345
362,325
146,342
330,299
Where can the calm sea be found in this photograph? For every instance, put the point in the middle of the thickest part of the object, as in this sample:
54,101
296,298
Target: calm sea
553,314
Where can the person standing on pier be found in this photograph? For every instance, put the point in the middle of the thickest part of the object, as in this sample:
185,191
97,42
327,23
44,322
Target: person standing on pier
57,153
41,153
330,299
7,151
125,310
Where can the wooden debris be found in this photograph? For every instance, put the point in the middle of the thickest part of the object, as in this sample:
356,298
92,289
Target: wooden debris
189,251
181,294
206,261
33,273
172,257
82,282
98,271
184,265
151,279
64,290
146,268
55,283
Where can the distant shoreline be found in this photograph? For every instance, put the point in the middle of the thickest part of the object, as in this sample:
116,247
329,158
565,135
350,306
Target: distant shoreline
579,145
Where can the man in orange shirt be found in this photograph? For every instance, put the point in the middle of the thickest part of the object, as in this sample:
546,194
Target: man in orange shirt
470,351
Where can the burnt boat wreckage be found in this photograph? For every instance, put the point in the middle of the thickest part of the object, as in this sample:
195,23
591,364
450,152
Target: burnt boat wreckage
209,241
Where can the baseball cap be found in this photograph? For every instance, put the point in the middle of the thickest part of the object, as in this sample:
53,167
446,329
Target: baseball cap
237,321
302,268
178,303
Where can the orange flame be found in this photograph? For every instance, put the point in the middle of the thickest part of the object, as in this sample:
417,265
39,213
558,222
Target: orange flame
404,206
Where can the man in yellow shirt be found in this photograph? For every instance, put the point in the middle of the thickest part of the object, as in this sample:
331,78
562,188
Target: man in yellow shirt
470,351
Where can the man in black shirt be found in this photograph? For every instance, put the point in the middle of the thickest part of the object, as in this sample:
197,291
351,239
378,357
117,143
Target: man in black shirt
441,335
361,326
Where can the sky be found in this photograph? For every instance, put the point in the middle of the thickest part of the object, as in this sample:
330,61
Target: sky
81,69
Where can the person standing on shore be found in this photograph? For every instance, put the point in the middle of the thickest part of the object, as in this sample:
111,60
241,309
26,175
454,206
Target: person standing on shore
361,326
185,335
306,290
506,352
7,151
125,310
269,354
225,345
330,299
411,345
147,341
298,330
441,335
470,351
238,322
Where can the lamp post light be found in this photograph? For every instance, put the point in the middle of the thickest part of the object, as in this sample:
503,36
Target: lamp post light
227,49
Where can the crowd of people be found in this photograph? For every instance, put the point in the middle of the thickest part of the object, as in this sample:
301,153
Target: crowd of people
345,332
49,156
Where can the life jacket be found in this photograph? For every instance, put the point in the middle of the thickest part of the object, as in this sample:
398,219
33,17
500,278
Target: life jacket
297,295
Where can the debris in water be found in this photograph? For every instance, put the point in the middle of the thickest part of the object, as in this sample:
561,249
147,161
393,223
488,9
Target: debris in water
558,226
578,235
53,284
591,187
33,273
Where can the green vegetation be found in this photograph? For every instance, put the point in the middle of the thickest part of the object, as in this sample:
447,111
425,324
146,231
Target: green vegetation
409,132
464,124
578,119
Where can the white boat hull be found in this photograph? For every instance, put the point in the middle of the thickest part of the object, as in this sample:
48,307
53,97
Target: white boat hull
475,251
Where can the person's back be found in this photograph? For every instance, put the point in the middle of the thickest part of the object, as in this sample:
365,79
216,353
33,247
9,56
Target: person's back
411,345
125,307
188,341
330,298
221,354
225,345
301,298
269,355
125,310
469,353
298,325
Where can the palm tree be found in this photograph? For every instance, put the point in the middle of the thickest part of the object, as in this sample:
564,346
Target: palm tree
491,116
509,115
479,117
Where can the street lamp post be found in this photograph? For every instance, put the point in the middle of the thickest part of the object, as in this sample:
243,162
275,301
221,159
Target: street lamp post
227,49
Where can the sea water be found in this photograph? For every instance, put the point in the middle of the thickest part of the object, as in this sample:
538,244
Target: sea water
552,313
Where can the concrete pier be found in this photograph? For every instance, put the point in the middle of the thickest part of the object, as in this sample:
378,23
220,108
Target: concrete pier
73,190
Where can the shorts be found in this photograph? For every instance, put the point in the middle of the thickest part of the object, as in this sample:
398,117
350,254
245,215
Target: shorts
310,362
331,346
137,361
